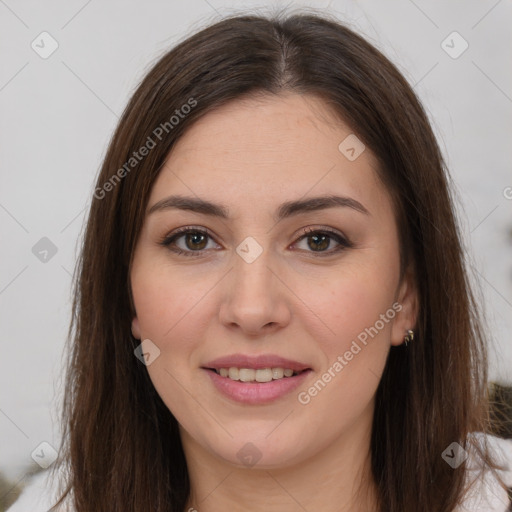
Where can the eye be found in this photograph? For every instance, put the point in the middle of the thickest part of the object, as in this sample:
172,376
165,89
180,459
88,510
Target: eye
320,239
195,241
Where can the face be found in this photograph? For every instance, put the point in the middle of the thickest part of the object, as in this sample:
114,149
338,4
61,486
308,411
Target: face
269,285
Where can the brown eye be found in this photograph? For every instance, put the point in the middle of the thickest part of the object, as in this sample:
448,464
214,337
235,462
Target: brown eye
321,240
194,241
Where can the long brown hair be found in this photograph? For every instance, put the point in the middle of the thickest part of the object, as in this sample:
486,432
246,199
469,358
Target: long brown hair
122,445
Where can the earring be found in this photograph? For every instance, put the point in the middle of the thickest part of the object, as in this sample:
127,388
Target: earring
409,336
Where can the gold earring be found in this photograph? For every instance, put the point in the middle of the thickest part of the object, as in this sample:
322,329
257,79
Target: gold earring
409,336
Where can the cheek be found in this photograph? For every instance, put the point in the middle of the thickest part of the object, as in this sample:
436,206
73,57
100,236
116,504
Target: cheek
359,313
169,305
357,307
173,310
171,313
354,300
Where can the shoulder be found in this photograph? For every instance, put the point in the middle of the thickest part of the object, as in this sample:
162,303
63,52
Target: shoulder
39,495
485,493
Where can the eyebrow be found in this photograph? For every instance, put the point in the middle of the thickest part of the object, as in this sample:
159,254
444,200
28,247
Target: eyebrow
285,210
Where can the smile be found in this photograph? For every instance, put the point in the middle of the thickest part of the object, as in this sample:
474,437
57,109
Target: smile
252,391
255,375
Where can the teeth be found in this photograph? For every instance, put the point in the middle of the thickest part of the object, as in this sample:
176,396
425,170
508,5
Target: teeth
277,373
246,374
264,375
251,375
233,374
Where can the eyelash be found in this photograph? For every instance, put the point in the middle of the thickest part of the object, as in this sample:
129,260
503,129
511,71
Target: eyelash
170,239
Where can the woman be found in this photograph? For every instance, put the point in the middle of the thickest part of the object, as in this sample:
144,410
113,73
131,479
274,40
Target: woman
271,307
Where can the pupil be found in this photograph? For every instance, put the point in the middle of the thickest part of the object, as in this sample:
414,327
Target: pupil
193,237
325,242
320,241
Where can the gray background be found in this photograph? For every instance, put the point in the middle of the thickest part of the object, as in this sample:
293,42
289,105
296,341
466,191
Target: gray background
57,115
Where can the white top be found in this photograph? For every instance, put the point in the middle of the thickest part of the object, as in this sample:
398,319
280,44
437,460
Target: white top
486,495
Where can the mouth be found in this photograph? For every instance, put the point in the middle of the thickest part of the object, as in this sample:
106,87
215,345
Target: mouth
256,386
259,375
256,379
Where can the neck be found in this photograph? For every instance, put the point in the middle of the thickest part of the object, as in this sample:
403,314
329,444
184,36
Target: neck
336,479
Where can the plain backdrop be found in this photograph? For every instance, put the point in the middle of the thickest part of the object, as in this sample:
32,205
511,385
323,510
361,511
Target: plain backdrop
58,113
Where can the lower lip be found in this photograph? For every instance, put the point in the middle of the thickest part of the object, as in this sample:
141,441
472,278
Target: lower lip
255,393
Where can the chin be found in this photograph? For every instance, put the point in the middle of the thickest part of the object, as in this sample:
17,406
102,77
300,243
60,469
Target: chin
248,452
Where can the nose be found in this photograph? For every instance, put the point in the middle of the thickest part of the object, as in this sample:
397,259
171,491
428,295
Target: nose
255,299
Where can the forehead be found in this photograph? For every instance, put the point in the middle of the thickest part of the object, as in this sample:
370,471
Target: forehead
262,148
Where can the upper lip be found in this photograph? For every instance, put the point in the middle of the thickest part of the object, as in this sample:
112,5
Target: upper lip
256,362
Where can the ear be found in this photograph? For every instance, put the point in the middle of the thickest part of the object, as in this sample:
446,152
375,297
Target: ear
407,316
136,328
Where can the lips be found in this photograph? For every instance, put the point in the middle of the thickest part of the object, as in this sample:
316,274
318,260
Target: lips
255,362
256,393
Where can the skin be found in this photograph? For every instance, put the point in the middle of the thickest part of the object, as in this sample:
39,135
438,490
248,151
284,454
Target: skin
293,300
